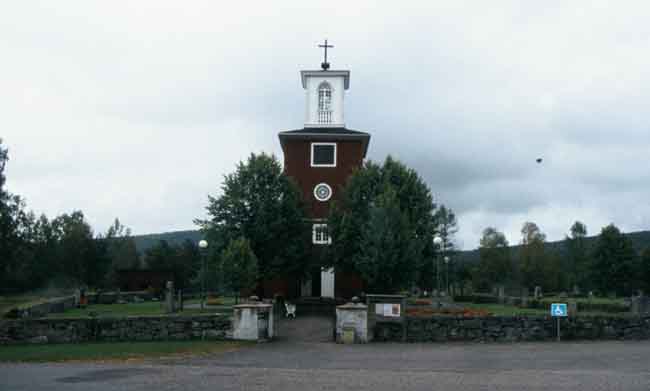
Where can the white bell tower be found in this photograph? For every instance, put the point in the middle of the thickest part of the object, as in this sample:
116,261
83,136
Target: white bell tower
324,93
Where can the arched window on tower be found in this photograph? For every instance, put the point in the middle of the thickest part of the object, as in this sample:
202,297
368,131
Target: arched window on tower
324,103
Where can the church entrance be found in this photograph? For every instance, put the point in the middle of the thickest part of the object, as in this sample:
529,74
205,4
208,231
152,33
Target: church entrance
315,320
306,328
320,283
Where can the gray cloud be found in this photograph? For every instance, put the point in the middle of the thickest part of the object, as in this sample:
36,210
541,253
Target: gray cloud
137,109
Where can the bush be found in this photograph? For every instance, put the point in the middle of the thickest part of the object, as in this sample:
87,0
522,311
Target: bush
213,301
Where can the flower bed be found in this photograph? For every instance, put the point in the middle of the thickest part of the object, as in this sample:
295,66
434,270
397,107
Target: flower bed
422,312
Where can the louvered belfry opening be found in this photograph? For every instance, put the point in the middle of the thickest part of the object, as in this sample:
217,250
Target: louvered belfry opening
324,103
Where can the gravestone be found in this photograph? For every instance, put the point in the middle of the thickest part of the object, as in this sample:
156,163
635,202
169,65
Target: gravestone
169,298
468,288
538,292
572,308
501,293
525,294
524,301
640,305
576,290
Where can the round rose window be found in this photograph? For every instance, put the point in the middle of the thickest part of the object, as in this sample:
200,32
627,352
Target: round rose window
322,192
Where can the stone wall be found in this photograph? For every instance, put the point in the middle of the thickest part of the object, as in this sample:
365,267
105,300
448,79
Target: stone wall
61,304
140,328
514,329
114,297
56,305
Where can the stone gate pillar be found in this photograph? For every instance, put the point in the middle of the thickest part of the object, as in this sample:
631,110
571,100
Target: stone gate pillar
352,323
253,322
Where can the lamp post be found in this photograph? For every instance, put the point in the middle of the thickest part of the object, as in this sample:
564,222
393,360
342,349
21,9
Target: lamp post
203,245
437,241
447,275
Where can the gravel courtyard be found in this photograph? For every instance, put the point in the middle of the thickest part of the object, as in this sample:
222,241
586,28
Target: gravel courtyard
290,365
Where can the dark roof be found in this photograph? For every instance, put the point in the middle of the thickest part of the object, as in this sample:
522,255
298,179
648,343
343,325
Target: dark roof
326,134
324,130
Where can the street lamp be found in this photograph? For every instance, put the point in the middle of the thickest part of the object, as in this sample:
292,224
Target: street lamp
203,244
447,272
437,241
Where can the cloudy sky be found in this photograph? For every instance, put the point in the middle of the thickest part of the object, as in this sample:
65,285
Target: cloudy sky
136,109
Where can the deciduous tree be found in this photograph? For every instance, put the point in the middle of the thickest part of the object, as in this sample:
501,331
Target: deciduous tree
239,266
533,256
615,262
260,203
495,266
577,265
380,201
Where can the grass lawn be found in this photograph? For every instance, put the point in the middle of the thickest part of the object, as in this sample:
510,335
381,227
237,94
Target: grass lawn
138,309
595,300
509,310
501,309
113,351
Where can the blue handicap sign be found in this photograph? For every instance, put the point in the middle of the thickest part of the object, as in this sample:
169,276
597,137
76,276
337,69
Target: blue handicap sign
558,309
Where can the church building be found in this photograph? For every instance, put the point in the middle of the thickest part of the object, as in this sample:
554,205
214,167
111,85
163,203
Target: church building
320,158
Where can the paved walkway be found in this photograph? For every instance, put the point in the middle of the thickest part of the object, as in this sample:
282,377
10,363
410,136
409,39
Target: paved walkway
378,367
306,329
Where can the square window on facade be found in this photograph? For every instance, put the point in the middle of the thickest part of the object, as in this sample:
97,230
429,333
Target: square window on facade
323,154
320,234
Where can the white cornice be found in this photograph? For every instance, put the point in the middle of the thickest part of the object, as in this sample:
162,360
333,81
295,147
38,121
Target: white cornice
344,74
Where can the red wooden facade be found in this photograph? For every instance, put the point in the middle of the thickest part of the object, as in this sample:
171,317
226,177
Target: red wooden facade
351,147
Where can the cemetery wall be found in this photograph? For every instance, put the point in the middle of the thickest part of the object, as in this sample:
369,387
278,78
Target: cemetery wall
56,305
132,328
115,297
61,304
514,329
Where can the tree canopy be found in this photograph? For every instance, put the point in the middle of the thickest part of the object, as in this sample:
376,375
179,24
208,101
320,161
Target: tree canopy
240,265
615,262
495,266
577,265
383,227
261,204
183,261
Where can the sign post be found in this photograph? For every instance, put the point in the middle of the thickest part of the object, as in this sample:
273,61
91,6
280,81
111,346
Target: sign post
558,310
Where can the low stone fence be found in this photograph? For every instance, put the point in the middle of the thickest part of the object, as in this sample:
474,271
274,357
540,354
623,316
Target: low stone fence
514,328
115,297
140,328
56,305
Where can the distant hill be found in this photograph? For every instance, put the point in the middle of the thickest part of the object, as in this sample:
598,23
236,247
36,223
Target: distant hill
145,242
640,239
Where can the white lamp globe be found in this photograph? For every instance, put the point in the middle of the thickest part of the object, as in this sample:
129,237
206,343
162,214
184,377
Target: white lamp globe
437,240
203,244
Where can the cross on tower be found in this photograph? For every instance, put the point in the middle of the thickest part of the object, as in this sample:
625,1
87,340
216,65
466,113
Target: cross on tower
325,65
